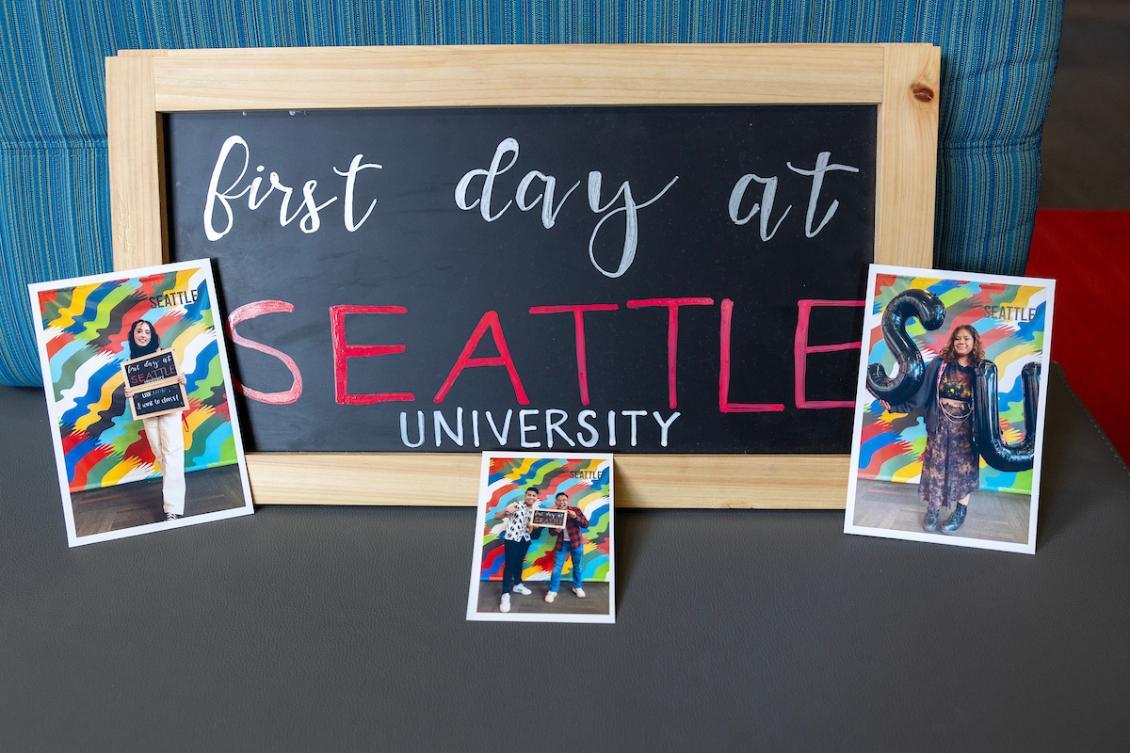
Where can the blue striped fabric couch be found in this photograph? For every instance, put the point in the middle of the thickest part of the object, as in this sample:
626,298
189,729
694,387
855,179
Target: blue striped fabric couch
998,63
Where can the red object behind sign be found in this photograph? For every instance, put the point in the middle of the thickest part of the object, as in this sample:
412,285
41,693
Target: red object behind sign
1087,253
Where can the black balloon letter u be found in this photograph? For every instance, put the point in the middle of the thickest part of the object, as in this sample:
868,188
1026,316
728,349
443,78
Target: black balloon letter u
986,417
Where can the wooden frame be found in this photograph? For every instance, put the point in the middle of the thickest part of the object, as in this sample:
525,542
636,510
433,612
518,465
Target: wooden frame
901,79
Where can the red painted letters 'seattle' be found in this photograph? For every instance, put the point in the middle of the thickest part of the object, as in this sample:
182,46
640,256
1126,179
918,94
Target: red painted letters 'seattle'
490,323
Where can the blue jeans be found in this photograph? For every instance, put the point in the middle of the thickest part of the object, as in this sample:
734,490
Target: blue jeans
578,555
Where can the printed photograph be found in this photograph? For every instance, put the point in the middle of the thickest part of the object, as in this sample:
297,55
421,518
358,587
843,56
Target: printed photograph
950,408
138,390
543,548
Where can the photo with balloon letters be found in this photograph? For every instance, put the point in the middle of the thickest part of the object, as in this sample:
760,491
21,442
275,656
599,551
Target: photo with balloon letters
950,408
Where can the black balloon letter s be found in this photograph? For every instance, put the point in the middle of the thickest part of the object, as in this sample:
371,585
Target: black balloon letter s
931,312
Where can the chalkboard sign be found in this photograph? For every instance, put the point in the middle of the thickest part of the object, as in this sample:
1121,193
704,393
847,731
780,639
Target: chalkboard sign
153,379
152,368
648,279
159,400
451,250
549,518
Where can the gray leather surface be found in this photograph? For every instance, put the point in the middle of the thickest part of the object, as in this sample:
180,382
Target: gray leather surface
342,629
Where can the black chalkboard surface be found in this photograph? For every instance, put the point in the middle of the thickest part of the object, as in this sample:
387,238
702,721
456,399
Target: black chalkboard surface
546,518
152,368
155,401
683,279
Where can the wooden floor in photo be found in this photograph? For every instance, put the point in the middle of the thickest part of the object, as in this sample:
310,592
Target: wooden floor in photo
139,503
897,507
595,601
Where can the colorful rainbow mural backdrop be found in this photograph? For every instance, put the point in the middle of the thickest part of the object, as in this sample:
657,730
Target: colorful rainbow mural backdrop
891,444
87,329
587,482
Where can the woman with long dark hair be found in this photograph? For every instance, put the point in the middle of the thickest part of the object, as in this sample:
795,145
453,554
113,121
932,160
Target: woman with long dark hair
166,438
950,463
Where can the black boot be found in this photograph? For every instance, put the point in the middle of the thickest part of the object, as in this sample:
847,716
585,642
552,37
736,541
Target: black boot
955,520
930,522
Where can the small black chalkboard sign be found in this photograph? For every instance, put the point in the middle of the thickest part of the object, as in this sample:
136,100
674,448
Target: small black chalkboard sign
549,518
158,400
152,368
153,379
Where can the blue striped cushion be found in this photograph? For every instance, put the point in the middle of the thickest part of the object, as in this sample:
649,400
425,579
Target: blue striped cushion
998,63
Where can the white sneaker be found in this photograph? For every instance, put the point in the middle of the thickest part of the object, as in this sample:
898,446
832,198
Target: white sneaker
580,592
504,604
549,597
520,589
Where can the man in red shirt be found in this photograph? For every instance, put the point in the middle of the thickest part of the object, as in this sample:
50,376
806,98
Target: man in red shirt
570,543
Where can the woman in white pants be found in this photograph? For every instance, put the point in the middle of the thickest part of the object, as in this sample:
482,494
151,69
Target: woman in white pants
164,432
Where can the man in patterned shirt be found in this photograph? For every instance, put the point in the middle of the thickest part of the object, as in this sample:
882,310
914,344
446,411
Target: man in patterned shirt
515,543
570,543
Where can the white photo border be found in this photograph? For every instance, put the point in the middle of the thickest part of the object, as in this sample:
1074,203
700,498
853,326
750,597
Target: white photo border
1029,547
477,554
73,540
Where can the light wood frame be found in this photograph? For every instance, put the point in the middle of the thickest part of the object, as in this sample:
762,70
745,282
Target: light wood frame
901,79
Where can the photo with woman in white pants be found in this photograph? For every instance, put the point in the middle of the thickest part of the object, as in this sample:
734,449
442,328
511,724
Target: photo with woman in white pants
164,432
